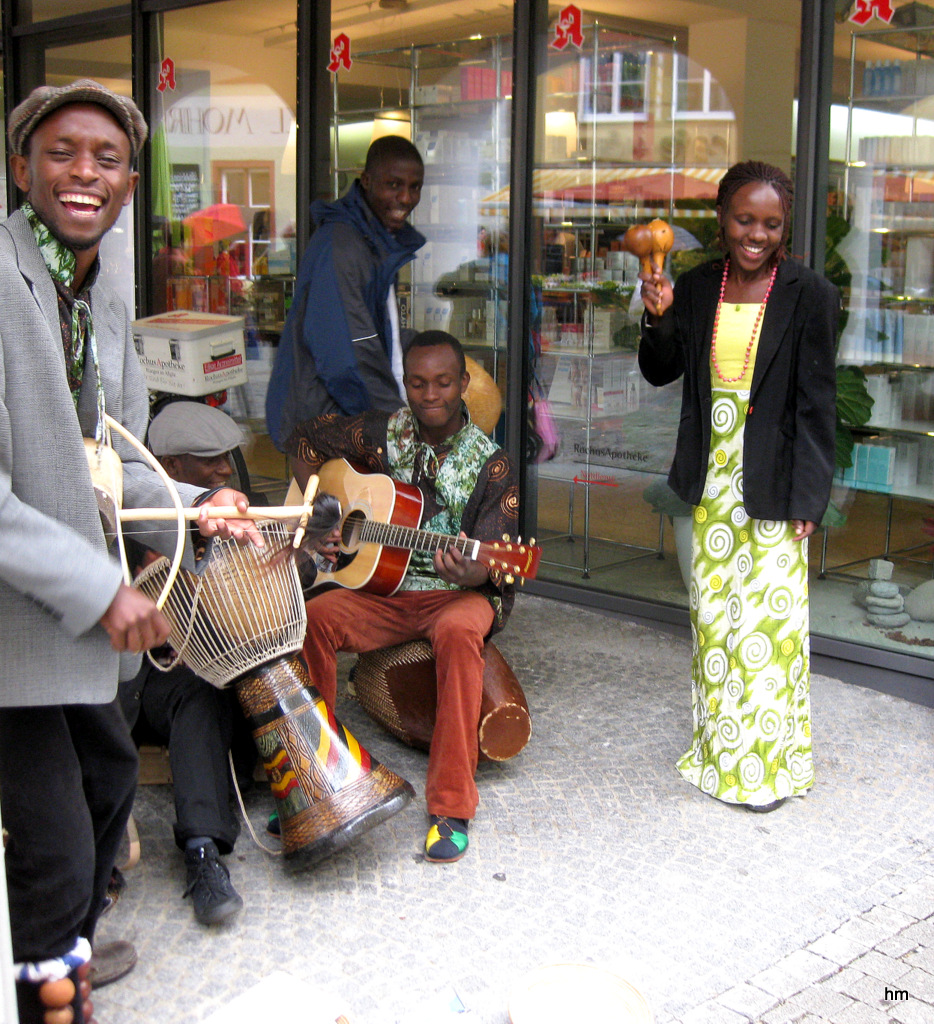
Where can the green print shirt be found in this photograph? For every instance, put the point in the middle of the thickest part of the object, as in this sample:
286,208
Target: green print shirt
468,483
74,310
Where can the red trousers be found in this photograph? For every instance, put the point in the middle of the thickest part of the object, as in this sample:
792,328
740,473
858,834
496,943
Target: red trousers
456,622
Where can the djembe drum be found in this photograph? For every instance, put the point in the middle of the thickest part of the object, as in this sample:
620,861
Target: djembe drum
242,621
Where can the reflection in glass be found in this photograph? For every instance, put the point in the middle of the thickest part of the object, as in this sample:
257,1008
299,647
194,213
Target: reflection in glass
453,101
631,129
223,175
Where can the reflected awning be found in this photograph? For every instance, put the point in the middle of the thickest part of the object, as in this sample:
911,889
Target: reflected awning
609,185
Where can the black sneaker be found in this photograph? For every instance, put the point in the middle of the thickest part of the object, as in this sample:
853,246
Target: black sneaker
214,898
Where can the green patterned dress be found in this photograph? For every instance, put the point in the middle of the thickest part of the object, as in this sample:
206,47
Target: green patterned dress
749,616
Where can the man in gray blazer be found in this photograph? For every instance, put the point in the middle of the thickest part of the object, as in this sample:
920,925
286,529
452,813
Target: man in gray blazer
67,764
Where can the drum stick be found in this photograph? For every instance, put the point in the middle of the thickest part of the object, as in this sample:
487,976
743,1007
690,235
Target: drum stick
311,489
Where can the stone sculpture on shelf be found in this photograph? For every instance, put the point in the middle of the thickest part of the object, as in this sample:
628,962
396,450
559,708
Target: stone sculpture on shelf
885,603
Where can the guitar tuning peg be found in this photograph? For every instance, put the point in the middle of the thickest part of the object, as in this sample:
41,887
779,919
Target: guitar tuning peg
510,579
505,566
532,542
506,536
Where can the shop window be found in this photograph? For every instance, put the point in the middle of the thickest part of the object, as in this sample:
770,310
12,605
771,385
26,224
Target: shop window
224,180
633,125
880,251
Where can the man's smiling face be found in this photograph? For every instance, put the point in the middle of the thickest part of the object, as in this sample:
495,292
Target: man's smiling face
76,175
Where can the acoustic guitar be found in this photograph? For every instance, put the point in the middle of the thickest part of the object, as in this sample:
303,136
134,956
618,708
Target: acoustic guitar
379,531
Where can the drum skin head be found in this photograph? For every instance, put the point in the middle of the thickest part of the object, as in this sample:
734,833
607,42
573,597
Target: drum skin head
560,993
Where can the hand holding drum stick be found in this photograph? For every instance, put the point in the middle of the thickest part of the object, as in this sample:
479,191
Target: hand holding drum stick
651,243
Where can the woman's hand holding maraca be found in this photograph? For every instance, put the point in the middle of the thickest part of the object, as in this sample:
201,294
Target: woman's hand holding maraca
651,243
657,293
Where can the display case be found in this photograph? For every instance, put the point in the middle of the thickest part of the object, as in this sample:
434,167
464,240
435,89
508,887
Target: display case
889,254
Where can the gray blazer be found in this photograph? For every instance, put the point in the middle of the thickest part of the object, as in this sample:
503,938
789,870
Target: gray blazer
56,576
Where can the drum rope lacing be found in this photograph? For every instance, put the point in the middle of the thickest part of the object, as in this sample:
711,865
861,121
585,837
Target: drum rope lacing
188,633
245,815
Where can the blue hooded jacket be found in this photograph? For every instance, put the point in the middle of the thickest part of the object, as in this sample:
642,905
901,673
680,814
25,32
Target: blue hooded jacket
335,351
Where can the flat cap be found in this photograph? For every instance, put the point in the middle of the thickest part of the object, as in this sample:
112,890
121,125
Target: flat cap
192,428
45,99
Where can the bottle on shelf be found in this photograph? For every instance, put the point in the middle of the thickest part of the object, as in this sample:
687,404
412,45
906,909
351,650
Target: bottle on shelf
869,72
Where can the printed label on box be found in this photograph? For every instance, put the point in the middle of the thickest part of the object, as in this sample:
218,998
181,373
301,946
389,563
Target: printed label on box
216,365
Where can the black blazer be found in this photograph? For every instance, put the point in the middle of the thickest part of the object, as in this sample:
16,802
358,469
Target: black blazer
789,440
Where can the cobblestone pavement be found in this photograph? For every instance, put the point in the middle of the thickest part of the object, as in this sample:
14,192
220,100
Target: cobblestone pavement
589,848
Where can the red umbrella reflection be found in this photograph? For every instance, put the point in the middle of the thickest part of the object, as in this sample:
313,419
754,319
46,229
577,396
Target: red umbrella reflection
214,224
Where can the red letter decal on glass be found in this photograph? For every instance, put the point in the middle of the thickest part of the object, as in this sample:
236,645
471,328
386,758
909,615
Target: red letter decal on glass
568,29
340,53
866,8
166,75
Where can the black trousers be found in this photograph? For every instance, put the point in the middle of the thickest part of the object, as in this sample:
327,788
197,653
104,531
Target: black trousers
67,781
196,720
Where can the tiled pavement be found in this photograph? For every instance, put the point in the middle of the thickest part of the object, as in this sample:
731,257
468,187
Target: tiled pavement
588,847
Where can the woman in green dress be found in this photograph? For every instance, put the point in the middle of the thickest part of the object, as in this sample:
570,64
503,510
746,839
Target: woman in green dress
753,335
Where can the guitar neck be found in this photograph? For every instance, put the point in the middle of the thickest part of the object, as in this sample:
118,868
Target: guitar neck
412,539
513,559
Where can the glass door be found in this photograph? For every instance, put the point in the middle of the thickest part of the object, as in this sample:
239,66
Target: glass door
223,183
634,124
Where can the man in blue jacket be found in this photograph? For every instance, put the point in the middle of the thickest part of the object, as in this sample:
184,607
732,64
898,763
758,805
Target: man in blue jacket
340,350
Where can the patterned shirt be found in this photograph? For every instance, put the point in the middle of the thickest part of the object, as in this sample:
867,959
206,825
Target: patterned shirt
467,483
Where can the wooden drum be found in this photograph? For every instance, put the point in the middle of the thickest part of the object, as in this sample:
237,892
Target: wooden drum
397,687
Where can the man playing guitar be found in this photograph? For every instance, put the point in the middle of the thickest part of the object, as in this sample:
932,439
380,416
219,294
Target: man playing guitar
469,488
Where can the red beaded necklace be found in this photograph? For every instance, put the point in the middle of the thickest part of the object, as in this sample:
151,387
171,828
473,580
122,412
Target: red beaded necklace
755,326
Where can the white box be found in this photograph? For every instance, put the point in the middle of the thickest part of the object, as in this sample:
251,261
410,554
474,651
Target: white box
188,353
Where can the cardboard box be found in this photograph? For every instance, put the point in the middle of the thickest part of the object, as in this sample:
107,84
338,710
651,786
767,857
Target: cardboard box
188,353
434,94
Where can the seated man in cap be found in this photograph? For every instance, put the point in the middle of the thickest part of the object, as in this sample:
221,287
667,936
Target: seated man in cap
193,442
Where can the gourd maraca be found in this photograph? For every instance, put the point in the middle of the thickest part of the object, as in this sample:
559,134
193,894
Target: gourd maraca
663,239
651,243
639,241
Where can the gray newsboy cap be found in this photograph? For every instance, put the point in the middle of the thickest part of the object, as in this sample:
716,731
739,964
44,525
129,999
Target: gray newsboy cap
45,99
192,428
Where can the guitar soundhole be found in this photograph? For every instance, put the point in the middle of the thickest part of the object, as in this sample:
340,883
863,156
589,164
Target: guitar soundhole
350,530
